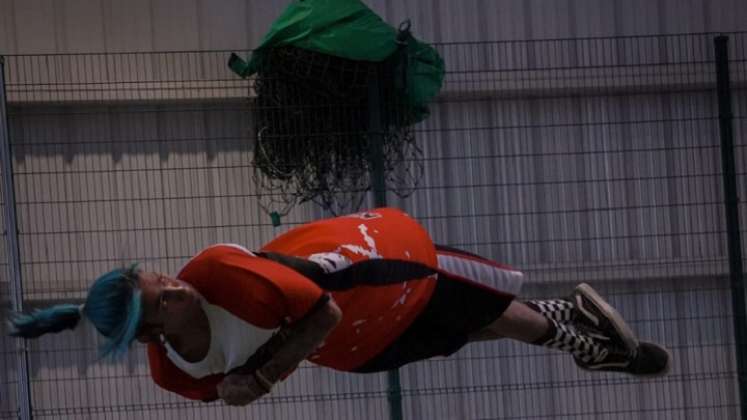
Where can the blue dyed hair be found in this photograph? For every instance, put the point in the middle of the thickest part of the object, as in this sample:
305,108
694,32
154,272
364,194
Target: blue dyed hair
113,306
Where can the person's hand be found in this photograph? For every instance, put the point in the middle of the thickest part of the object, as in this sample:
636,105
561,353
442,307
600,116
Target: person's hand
238,389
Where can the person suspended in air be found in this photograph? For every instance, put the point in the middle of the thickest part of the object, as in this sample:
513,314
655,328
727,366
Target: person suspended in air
363,293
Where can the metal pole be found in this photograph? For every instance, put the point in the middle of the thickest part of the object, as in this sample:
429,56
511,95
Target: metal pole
731,204
375,129
378,184
11,242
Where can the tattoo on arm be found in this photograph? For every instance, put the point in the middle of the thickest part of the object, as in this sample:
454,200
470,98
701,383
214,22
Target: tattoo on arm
293,343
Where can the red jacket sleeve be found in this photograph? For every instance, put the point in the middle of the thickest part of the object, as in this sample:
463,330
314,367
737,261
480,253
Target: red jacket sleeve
169,377
259,291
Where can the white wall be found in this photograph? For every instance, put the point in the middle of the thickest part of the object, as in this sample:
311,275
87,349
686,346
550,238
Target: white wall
50,26
610,182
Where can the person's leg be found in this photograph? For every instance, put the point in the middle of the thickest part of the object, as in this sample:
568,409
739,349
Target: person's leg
522,323
585,326
517,322
540,322
561,310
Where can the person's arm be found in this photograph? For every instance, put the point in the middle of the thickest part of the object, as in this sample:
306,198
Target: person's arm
300,340
291,345
169,377
267,295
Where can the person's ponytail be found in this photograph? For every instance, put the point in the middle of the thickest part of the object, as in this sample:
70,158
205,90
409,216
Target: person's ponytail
113,305
41,321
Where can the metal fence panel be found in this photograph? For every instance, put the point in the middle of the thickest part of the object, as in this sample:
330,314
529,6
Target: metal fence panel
594,160
738,69
8,348
575,160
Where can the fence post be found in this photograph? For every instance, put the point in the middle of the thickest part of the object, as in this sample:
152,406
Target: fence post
11,242
378,185
731,203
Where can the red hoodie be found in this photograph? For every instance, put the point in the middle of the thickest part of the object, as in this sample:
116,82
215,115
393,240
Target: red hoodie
265,293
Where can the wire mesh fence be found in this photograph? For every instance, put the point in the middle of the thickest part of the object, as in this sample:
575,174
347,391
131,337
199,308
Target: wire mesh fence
592,160
601,164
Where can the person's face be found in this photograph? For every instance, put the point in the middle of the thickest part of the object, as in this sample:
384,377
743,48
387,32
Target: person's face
169,304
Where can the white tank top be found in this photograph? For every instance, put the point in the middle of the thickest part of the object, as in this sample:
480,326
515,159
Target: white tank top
232,341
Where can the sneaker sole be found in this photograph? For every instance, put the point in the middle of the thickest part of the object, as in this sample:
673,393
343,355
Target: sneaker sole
618,323
663,372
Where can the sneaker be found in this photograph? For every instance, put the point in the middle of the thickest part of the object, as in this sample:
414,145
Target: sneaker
648,360
651,360
610,359
598,319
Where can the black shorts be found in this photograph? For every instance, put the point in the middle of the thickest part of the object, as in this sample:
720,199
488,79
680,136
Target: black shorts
457,308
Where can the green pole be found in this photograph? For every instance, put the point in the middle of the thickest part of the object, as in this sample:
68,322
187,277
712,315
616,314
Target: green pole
378,185
731,204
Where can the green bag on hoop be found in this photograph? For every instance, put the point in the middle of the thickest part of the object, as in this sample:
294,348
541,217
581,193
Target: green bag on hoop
350,30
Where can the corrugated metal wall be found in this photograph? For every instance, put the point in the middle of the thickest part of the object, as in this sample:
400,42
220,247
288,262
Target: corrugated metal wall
593,160
558,157
49,26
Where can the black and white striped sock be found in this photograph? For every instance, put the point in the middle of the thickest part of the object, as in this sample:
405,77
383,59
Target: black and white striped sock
565,338
560,310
